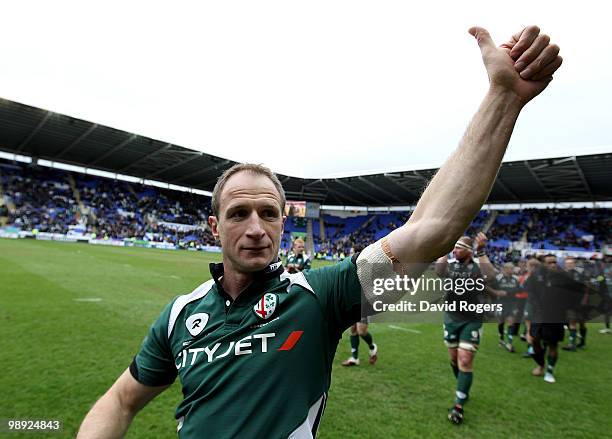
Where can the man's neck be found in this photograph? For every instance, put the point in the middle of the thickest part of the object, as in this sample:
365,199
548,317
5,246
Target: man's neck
234,282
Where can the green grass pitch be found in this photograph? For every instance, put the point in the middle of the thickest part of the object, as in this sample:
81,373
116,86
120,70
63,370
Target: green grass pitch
59,354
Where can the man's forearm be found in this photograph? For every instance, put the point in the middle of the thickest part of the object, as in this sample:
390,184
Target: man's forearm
111,416
461,186
106,420
486,267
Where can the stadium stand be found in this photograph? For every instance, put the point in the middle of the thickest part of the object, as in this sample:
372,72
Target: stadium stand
42,199
42,134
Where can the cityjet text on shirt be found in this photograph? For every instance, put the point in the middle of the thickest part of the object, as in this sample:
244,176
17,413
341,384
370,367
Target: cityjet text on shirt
244,346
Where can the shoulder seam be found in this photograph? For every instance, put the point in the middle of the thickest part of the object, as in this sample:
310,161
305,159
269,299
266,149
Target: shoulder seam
181,301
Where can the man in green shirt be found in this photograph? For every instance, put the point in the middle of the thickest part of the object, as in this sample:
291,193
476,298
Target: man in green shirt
253,346
509,283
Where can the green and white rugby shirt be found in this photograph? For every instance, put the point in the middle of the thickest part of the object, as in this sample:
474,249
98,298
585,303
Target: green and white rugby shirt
259,366
460,271
302,261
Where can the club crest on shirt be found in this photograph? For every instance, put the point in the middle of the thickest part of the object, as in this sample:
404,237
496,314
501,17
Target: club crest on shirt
265,306
195,323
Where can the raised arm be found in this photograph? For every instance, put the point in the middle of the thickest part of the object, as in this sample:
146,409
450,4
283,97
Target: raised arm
441,266
486,266
518,71
111,416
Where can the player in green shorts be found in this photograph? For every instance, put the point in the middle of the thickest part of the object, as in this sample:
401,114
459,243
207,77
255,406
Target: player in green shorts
509,283
253,347
463,329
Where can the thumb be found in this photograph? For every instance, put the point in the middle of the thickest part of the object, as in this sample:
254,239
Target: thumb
485,42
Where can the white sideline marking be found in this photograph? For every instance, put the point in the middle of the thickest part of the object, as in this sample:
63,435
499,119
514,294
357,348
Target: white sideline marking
88,299
404,329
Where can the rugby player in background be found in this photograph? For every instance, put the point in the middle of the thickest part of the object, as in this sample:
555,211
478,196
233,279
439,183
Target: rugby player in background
576,313
360,329
606,272
507,282
463,329
551,294
297,260
532,265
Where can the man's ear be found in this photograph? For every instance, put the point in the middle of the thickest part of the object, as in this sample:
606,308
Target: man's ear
213,222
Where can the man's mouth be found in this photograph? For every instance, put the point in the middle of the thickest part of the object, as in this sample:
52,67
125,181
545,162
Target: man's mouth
255,249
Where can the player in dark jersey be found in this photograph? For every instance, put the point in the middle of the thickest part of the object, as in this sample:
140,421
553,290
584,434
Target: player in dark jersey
576,314
463,328
551,294
253,346
606,274
507,282
531,266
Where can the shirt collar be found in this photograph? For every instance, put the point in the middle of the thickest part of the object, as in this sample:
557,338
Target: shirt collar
273,270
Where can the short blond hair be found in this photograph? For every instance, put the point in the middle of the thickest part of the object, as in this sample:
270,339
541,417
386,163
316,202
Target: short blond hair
245,167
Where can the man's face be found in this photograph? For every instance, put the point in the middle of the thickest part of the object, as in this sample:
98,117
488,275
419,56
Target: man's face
508,269
551,262
250,222
298,248
461,254
570,264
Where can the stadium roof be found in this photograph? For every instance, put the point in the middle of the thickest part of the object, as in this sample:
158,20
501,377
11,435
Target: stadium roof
46,135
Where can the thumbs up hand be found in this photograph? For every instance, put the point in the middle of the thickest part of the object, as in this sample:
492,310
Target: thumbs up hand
524,65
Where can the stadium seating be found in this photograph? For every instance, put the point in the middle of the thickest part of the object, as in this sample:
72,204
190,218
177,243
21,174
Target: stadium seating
51,200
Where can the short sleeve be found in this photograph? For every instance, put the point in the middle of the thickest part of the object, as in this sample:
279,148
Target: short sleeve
154,363
339,291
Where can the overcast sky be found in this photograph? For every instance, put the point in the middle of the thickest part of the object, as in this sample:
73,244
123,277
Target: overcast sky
311,89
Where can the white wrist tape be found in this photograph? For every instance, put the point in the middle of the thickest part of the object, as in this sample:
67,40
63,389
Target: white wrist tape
377,262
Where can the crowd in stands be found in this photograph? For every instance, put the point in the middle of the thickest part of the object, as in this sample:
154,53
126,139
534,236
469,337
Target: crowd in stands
38,198
51,200
554,229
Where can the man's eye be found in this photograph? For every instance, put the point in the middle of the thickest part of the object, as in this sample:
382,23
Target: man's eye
238,214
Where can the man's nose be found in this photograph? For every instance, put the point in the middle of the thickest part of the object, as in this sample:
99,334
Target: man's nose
254,229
